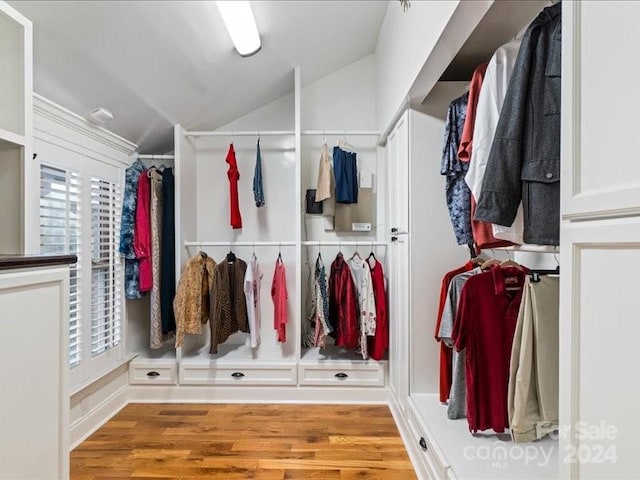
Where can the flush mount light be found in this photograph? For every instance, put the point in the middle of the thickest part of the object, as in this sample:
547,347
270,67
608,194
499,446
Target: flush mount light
101,116
241,25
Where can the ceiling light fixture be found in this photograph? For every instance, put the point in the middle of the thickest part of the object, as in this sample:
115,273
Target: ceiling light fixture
101,116
241,25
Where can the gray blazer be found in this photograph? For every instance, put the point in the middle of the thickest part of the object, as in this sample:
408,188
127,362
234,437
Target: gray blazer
524,163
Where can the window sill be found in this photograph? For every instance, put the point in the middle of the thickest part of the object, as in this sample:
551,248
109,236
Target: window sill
79,388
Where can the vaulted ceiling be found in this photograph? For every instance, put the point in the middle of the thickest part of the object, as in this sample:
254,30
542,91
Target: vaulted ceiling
154,64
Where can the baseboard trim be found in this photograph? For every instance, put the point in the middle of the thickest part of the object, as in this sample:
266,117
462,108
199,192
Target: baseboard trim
220,394
415,455
98,416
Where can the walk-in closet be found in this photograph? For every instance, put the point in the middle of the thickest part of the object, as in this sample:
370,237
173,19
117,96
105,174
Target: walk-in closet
368,240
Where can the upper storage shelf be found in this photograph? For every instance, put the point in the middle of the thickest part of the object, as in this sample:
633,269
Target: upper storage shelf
474,33
15,79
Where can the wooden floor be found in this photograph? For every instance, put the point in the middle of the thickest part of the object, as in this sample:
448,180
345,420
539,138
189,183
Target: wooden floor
262,442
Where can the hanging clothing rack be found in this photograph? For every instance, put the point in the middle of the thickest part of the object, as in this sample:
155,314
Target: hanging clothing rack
267,133
350,243
528,248
156,157
350,133
239,244
241,133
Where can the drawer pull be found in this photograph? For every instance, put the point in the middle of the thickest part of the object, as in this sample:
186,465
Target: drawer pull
423,444
153,374
341,375
237,374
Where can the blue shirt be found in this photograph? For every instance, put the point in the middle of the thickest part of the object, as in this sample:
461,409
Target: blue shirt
458,194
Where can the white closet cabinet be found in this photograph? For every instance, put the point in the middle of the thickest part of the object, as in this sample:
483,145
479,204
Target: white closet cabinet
16,112
600,242
34,406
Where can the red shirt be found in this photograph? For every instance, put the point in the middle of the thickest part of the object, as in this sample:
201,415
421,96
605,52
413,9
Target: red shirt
380,342
142,232
234,176
485,324
279,296
445,352
464,150
343,305
483,232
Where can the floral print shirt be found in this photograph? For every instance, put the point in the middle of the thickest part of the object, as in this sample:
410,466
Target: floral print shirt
458,194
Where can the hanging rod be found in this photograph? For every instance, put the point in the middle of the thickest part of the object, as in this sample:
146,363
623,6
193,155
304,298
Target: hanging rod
350,133
266,133
352,243
156,157
239,244
241,133
528,248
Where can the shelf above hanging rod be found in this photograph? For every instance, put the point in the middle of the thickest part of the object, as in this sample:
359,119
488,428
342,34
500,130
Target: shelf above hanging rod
349,243
156,157
239,244
241,133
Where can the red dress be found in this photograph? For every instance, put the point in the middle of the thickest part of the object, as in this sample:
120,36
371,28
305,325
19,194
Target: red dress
234,176
142,232
379,344
343,305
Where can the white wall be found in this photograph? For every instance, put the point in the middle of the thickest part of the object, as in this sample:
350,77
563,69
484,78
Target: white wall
342,100
406,39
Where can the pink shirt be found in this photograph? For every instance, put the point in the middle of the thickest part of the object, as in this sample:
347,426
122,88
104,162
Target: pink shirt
279,296
142,232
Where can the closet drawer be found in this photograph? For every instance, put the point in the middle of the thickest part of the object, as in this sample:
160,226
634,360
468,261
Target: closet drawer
370,374
237,374
437,466
153,373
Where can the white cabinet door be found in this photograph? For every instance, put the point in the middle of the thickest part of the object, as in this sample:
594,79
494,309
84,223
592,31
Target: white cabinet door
398,171
398,254
600,326
600,111
398,292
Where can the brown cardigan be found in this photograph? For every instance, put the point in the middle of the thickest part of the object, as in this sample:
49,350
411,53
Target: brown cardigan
191,303
228,302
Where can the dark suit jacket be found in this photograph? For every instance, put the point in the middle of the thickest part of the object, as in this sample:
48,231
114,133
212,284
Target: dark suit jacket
524,163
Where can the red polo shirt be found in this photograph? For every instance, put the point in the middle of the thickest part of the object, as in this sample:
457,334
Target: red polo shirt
485,324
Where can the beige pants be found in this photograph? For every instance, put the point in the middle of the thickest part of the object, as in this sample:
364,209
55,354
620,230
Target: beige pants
533,372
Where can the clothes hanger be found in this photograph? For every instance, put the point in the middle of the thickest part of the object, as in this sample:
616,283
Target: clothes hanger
356,253
344,145
491,262
510,263
279,252
231,257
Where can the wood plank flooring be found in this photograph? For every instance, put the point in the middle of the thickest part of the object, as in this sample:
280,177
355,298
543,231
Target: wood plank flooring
260,442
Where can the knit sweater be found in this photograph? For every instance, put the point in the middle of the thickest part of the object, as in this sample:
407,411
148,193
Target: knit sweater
228,302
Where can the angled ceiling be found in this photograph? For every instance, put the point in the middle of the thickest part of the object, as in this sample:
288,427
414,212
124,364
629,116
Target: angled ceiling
158,63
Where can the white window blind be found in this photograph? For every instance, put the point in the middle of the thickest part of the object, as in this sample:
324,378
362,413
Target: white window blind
105,266
60,232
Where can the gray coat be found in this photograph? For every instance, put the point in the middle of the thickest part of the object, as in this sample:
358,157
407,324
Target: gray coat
524,163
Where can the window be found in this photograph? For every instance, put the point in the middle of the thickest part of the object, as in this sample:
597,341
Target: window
80,203
60,218
105,266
